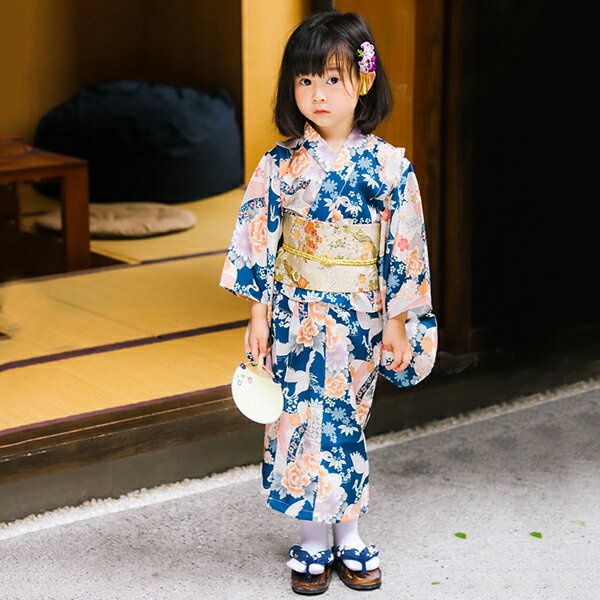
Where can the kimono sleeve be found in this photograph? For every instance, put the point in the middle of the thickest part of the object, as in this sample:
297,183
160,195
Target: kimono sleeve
405,278
249,264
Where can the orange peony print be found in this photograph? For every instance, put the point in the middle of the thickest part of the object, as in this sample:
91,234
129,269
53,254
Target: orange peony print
325,486
318,311
312,462
428,344
424,288
342,158
362,412
414,265
352,512
335,387
257,232
294,479
300,163
332,335
307,330
310,133
283,167
336,215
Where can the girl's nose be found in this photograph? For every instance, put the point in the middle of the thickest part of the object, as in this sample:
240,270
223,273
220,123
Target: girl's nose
318,94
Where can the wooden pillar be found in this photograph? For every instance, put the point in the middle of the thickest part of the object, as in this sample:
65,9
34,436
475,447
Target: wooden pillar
427,131
266,27
457,213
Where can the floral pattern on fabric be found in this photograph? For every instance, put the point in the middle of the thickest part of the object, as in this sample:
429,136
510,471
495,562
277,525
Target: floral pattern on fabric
327,346
315,463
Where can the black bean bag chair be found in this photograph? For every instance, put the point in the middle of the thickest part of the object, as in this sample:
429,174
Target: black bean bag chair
147,142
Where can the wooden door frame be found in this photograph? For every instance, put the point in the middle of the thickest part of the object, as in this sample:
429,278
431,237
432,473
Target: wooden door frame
456,209
427,135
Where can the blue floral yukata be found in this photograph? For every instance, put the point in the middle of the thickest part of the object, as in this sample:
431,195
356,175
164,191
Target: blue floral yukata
326,347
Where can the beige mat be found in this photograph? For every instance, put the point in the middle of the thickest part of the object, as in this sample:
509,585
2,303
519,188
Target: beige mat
215,219
104,307
94,382
83,311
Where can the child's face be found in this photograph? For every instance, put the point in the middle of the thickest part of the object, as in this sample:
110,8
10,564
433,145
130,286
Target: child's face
329,93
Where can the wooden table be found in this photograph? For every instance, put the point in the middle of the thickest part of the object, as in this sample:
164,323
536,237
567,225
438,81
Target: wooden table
20,163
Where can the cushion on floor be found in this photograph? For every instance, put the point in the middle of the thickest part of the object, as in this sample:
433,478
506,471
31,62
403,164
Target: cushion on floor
127,220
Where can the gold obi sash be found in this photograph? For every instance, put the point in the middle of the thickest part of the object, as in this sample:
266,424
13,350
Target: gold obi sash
328,257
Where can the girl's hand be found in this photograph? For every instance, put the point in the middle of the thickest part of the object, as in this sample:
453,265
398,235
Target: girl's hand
258,331
396,340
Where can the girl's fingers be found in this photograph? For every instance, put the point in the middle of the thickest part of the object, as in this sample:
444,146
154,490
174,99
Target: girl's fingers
254,350
401,360
258,347
395,363
406,358
264,348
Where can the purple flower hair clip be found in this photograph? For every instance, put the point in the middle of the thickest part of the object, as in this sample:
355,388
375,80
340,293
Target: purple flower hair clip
367,57
366,64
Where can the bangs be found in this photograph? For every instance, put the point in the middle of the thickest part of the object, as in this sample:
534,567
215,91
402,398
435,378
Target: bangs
319,57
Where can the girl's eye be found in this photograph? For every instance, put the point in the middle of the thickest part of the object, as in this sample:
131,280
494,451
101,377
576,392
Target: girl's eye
305,79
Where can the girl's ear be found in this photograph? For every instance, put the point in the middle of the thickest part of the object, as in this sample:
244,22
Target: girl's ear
371,78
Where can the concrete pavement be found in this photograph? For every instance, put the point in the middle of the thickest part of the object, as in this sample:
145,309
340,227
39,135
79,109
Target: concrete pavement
496,475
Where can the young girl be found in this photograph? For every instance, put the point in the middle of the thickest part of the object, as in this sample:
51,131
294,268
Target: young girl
329,247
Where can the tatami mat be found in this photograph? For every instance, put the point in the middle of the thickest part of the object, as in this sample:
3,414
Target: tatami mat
212,231
81,384
80,313
103,307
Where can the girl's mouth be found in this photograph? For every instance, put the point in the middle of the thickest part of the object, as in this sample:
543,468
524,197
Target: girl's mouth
321,111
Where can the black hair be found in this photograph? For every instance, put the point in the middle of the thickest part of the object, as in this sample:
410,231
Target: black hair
321,35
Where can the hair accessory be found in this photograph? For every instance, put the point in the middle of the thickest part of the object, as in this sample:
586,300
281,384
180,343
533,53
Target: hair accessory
366,64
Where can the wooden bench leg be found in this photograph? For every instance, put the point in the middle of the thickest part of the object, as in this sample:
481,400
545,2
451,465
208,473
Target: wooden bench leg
11,203
75,218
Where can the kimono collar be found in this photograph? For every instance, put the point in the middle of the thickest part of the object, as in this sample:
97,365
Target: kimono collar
319,149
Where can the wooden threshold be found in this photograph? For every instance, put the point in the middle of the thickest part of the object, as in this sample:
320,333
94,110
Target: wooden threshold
125,431
117,433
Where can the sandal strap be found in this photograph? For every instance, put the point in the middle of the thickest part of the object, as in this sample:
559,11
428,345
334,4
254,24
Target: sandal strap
323,557
351,553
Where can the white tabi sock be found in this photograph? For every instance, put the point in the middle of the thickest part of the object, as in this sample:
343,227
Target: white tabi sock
346,533
314,538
